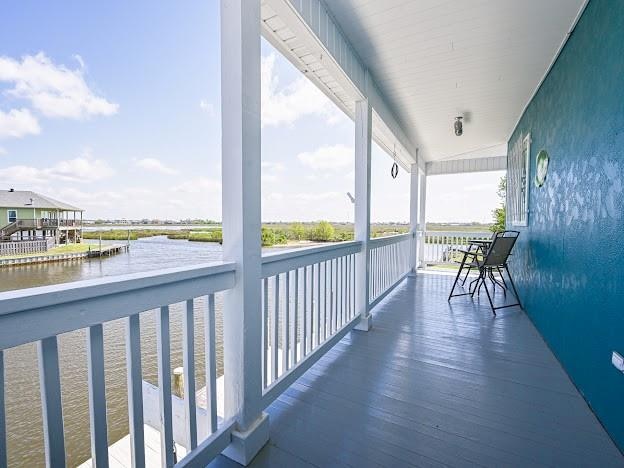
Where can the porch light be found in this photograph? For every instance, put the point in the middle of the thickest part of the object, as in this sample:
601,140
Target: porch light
459,127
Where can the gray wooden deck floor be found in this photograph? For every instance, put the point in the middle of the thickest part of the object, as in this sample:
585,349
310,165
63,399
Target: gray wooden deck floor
434,384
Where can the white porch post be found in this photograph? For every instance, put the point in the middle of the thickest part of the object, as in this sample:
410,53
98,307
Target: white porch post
242,317
363,132
414,217
422,225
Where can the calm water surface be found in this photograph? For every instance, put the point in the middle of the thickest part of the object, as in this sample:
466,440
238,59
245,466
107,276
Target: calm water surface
23,404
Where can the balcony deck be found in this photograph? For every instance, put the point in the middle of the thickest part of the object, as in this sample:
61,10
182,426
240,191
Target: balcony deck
434,384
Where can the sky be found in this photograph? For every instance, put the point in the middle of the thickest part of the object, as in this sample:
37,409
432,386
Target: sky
115,107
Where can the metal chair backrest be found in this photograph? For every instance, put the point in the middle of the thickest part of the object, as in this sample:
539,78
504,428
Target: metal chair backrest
499,251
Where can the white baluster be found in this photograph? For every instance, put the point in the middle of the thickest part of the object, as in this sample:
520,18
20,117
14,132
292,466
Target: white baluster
275,330
164,386
135,390
51,406
294,353
97,395
211,362
188,359
286,324
305,343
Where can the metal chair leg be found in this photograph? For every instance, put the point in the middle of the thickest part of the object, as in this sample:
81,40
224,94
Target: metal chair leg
489,297
514,287
467,273
463,262
491,277
495,281
502,277
478,282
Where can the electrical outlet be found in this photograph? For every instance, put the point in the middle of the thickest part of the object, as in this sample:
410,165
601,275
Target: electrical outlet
618,361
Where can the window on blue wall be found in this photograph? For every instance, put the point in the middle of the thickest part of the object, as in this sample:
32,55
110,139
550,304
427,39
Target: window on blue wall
518,165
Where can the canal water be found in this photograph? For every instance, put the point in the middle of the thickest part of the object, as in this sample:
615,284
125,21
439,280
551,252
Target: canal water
23,404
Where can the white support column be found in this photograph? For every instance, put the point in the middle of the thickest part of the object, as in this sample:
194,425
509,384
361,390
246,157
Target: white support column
422,225
363,133
414,217
242,318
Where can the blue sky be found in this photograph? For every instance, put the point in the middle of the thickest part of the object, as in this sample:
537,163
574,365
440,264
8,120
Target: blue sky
114,107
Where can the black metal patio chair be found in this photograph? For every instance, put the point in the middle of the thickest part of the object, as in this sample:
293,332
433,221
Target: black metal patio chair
495,259
480,247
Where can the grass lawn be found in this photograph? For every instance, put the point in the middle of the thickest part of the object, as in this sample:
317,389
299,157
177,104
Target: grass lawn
61,249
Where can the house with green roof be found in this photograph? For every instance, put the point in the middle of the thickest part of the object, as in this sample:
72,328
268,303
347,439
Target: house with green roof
27,215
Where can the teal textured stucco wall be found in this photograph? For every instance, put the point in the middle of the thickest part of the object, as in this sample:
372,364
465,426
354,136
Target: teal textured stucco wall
569,261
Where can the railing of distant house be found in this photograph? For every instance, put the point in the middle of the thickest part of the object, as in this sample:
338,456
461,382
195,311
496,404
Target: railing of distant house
389,263
37,223
442,246
9,229
308,306
68,222
21,247
41,314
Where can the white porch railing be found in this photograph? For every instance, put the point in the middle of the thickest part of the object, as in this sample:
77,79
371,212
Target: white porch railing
389,263
308,306
442,246
41,314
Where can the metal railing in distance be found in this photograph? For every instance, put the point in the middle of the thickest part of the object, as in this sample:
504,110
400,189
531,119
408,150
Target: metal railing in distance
41,314
389,263
308,305
442,246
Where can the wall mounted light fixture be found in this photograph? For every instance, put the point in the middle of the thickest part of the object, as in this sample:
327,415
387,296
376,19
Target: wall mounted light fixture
459,126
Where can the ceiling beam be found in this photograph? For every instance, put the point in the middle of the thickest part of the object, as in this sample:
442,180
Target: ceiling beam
460,166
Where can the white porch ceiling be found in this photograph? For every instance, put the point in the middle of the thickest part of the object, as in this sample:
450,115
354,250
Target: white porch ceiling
434,60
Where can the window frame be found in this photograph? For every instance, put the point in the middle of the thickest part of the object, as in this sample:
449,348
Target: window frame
518,187
14,210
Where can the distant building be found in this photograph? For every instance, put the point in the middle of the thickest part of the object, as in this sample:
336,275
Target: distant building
27,215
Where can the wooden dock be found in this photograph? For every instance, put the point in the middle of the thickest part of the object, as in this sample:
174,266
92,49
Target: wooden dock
108,250
105,251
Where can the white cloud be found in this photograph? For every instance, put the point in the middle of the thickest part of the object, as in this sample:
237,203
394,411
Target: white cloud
321,196
328,158
54,90
18,123
88,199
80,169
154,165
199,185
306,206
271,171
288,104
2,151
274,196
208,108
80,61
270,165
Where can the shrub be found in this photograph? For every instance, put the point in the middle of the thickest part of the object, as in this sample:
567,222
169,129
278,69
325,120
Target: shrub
297,231
342,236
268,237
323,232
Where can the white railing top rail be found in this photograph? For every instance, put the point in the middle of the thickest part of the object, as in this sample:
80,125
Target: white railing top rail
387,240
459,233
28,315
281,262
